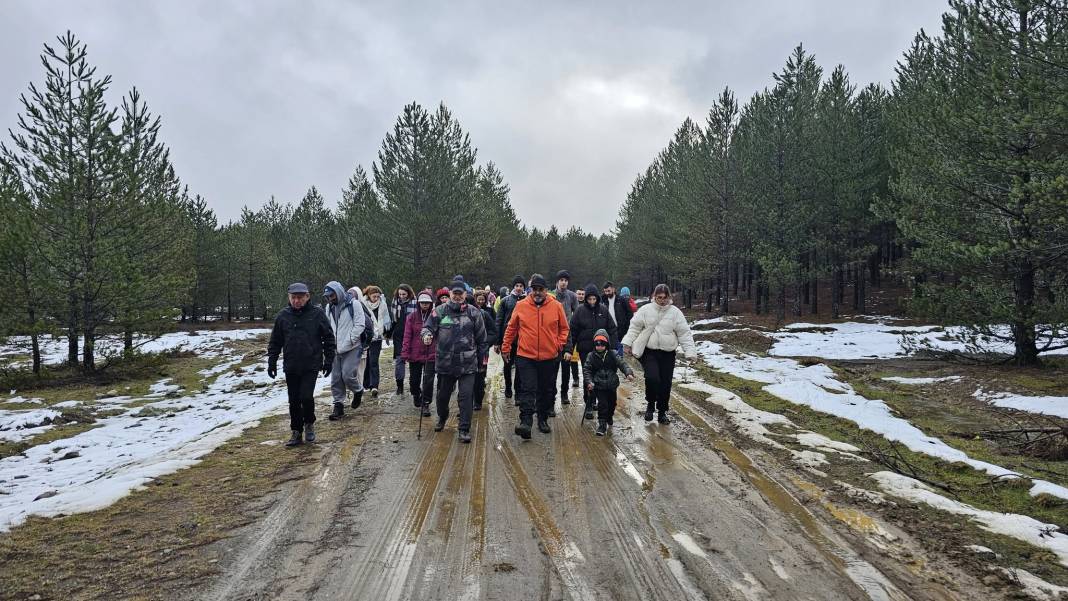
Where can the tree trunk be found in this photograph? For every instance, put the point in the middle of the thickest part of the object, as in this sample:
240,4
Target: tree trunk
1023,330
815,310
127,341
72,328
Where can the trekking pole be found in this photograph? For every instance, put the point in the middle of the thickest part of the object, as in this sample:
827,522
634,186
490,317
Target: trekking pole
422,410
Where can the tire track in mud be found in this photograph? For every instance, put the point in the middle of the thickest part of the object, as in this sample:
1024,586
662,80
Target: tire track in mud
382,572
564,555
648,575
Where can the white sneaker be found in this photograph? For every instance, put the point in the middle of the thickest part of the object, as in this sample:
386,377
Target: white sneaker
374,393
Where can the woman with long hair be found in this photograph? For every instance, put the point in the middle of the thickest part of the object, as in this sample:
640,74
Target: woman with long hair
380,317
656,332
402,305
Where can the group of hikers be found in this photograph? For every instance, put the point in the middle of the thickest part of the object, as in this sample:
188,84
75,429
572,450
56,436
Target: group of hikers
442,342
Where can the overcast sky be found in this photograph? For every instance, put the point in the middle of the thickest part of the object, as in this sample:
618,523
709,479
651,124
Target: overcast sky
571,100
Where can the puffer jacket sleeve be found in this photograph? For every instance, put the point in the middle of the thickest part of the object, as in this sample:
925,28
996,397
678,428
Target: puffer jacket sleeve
637,324
684,334
565,330
587,370
278,340
411,333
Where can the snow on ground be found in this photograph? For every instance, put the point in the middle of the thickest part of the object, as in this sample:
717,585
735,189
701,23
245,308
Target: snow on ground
752,422
920,381
818,387
854,340
1048,405
95,468
20,425
206,343
1021,527
21,400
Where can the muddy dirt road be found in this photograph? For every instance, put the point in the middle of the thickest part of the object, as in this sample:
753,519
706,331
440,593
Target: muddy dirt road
650,512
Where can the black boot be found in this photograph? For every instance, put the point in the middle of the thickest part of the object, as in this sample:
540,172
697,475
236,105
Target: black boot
507,391
564,398
416,401
296,439
464,436
357,398
543,426
339,412
438,427
426,411
649,412
602,427
663,418
523,430
589,411
400,386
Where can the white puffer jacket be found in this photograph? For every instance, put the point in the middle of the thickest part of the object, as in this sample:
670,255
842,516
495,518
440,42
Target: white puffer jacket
659,328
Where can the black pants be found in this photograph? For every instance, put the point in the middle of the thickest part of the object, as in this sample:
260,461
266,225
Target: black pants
537,387
371,374
508,372
659,369
426,394
415,370
466,385
480,387
575,372
301,386
565,375
587,396
606,404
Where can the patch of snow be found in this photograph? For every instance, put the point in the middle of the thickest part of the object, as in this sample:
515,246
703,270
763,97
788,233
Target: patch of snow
1020,527
1033,586
687,542
979,549
66,404
705,322
21,400
128,450
1047,405
162,388
22,424
920,381
817,387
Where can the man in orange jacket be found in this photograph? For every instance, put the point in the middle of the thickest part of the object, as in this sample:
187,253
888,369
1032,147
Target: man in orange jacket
542,330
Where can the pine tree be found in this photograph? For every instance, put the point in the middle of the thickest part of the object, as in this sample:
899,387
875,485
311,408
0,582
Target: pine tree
21,298
205,251
979,120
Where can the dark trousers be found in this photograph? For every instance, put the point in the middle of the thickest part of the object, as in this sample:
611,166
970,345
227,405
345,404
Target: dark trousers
606,404
565,375
301,386
587,396
659,369
508,365
537,387
466,385
416,382
480,387
426,395
371,374
575,372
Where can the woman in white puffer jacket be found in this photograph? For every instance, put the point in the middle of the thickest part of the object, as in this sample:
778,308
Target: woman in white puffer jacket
656,332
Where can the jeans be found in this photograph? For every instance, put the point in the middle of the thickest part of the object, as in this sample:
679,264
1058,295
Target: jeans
659,369
466,385
370,377
398,367
301,387
537,387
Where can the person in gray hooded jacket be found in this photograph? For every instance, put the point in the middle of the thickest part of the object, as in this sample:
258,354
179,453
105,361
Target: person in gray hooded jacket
347,320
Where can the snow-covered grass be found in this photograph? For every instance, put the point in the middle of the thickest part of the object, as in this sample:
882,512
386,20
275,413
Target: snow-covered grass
854,340
1020,527
94,468
920,381
206,343
1048,405
817,387
19,425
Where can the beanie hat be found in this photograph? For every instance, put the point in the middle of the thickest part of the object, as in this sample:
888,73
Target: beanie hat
563,274
601,336
519,280
443,292
424,297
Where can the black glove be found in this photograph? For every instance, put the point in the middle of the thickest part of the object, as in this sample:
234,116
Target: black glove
327,367
272,369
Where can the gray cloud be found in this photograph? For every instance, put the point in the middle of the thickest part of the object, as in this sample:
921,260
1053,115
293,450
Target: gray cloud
571,100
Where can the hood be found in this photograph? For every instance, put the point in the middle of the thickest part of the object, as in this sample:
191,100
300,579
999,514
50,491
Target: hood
601,332
343,298
624,291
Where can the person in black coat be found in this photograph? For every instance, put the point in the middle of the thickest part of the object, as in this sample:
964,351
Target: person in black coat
303,336
587,319
619,308
482,302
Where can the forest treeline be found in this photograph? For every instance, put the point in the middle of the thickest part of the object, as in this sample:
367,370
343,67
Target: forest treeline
812,185
100,236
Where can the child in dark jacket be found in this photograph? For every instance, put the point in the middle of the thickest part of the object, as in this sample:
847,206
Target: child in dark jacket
599,374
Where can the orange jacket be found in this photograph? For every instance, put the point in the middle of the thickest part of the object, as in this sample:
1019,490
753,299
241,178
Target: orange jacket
542,331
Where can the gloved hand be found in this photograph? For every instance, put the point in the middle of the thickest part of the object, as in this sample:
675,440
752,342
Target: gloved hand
272,369
327,368
630,377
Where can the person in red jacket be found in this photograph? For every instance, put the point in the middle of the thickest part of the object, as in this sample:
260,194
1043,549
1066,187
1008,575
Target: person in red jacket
542,330
420,357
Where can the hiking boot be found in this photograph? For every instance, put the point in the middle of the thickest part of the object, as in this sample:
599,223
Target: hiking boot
507,393
400,387
339,412
477,407
523,430
438,427
295,439
663,418
589,413
374,393
543,426
602,428
552,412
574,384
426,411
464,436
357,398
648,413
417,402
309,432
